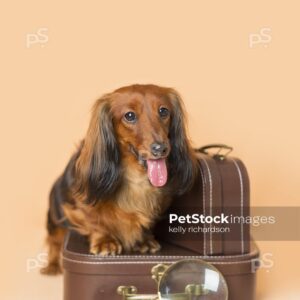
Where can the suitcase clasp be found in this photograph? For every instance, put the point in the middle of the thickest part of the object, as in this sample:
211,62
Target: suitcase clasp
158,271
130,293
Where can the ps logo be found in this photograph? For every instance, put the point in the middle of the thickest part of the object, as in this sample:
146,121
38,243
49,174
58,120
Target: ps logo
263,37
40,37
39,261
266,262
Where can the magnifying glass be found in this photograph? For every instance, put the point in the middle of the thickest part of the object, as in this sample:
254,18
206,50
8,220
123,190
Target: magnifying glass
185,280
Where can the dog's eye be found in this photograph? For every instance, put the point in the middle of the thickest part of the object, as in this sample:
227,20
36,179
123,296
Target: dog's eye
164,112
130,117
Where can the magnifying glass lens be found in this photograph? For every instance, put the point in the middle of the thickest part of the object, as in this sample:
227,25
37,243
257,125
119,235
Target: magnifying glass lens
193,280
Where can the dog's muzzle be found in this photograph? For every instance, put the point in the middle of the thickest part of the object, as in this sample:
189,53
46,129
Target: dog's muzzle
156,168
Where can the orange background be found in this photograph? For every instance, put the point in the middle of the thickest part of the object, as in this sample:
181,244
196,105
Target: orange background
244,96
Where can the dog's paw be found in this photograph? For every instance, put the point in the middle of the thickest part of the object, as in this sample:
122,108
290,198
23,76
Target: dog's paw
106,247
51,269
148,246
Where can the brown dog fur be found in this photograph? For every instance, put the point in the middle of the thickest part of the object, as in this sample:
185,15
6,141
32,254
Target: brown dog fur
105,192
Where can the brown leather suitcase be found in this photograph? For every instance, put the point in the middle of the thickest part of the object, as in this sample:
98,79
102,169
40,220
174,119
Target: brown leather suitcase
90,277
222,187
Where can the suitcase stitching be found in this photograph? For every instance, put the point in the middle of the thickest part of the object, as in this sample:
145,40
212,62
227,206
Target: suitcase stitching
203,189
152,262
170,256
210,203
242,204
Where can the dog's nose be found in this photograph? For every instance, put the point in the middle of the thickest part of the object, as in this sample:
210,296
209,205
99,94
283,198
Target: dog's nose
159,149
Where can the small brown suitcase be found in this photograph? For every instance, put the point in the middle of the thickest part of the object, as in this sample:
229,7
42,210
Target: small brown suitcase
90,277
221,187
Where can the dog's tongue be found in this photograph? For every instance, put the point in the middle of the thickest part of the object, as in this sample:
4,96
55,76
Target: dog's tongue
157,172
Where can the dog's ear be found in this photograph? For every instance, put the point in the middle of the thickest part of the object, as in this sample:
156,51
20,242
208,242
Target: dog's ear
98,165
182,159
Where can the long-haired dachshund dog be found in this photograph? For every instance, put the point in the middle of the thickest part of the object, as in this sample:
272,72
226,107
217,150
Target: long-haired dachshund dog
135,156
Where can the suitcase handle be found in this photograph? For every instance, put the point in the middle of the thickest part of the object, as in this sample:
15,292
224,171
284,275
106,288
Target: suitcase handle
221,147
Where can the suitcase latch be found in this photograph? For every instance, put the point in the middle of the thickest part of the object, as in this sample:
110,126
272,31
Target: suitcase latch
158,271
